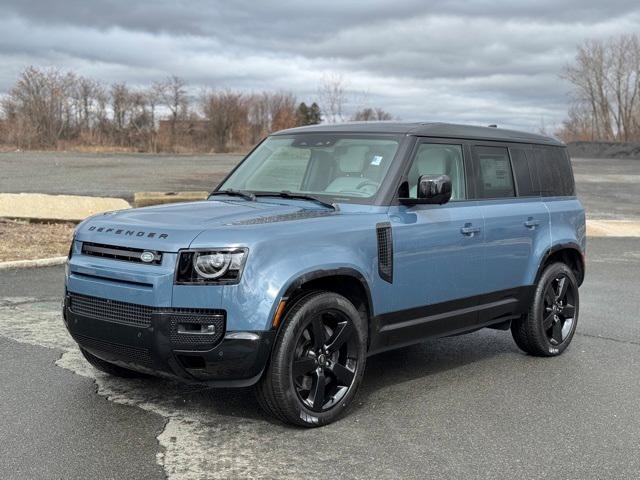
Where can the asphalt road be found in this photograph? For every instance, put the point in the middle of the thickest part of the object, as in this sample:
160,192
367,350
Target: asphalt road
471,407
609,188
110,175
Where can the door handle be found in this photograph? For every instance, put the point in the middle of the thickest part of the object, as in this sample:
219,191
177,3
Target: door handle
469,230
531,223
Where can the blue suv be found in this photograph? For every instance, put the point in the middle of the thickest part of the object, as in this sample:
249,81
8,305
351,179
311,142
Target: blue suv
328,244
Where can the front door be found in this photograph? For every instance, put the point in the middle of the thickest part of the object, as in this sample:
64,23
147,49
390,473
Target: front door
437,250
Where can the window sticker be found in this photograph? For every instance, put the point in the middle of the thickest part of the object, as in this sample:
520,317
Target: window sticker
377,159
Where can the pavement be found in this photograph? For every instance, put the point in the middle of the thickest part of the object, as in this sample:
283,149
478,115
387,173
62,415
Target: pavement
111,175
467,407
609,188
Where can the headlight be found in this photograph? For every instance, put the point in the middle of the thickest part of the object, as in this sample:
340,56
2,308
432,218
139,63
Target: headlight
222,266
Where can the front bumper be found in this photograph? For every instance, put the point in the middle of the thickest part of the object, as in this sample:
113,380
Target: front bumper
235,359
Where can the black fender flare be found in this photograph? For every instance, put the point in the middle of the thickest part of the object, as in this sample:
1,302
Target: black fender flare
558,247
326,273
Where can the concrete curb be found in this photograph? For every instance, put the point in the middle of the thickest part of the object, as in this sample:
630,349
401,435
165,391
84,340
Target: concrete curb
147,199
41,262
42,207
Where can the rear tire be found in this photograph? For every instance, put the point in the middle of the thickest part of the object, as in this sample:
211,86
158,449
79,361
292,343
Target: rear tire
110,368
548,328
317,362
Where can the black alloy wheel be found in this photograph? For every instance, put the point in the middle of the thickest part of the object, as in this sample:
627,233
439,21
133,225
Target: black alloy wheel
548,327
317,362
559,308
325,360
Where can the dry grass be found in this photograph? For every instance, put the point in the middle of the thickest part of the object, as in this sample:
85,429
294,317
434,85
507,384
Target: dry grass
30,241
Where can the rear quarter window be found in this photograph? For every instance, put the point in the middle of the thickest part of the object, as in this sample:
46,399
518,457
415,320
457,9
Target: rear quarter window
552,169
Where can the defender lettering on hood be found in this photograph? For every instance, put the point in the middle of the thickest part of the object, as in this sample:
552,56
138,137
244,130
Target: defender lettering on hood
128,233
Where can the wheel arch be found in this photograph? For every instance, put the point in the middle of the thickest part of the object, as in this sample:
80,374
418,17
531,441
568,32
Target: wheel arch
344,281
569,253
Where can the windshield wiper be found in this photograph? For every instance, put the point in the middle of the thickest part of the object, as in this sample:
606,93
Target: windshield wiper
234,193
298,196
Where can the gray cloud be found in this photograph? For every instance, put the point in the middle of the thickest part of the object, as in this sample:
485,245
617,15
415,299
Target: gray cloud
473,61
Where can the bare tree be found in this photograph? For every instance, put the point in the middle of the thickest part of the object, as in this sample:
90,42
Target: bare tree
226,112
37,107
624,82
268,112
153,99
85,96
120,106
258,116
371,115
606,80
333,97
282,111
171,93
47,107
579,124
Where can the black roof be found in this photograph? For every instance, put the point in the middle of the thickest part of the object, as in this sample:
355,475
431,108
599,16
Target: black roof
442,130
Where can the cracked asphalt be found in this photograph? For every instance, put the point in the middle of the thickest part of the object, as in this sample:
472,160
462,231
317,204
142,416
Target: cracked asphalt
467,407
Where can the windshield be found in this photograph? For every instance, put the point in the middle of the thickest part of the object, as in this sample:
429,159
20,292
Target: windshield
340,166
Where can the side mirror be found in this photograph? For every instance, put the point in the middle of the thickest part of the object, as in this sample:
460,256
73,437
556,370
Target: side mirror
432,189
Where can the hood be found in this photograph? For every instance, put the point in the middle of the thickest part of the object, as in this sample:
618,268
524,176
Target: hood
169,228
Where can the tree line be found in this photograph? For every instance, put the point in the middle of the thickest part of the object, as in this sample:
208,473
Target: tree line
50,108
605,80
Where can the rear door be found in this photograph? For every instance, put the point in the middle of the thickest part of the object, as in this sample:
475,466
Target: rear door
514,216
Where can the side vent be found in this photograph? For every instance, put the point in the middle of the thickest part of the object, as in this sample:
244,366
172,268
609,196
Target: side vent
385,251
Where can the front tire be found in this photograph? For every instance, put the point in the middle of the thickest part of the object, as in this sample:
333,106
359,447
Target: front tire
549,326
317,363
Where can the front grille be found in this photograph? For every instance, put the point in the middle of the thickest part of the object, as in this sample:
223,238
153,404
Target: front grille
126,353
136,315
111,310
119,253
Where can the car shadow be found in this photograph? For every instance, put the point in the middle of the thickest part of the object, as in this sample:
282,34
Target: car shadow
433,357
430,358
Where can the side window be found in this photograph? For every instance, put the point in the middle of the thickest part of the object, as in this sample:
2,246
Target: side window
438,159
553,170
494,173
522,174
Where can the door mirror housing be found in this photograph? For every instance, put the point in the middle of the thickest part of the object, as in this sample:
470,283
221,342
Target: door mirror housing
432,189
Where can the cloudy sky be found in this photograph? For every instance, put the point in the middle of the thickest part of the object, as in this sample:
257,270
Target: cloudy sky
478,61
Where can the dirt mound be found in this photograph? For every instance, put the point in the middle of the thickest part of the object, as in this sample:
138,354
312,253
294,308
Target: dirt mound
604,150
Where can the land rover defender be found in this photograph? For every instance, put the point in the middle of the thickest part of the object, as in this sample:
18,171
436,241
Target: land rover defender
328,244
